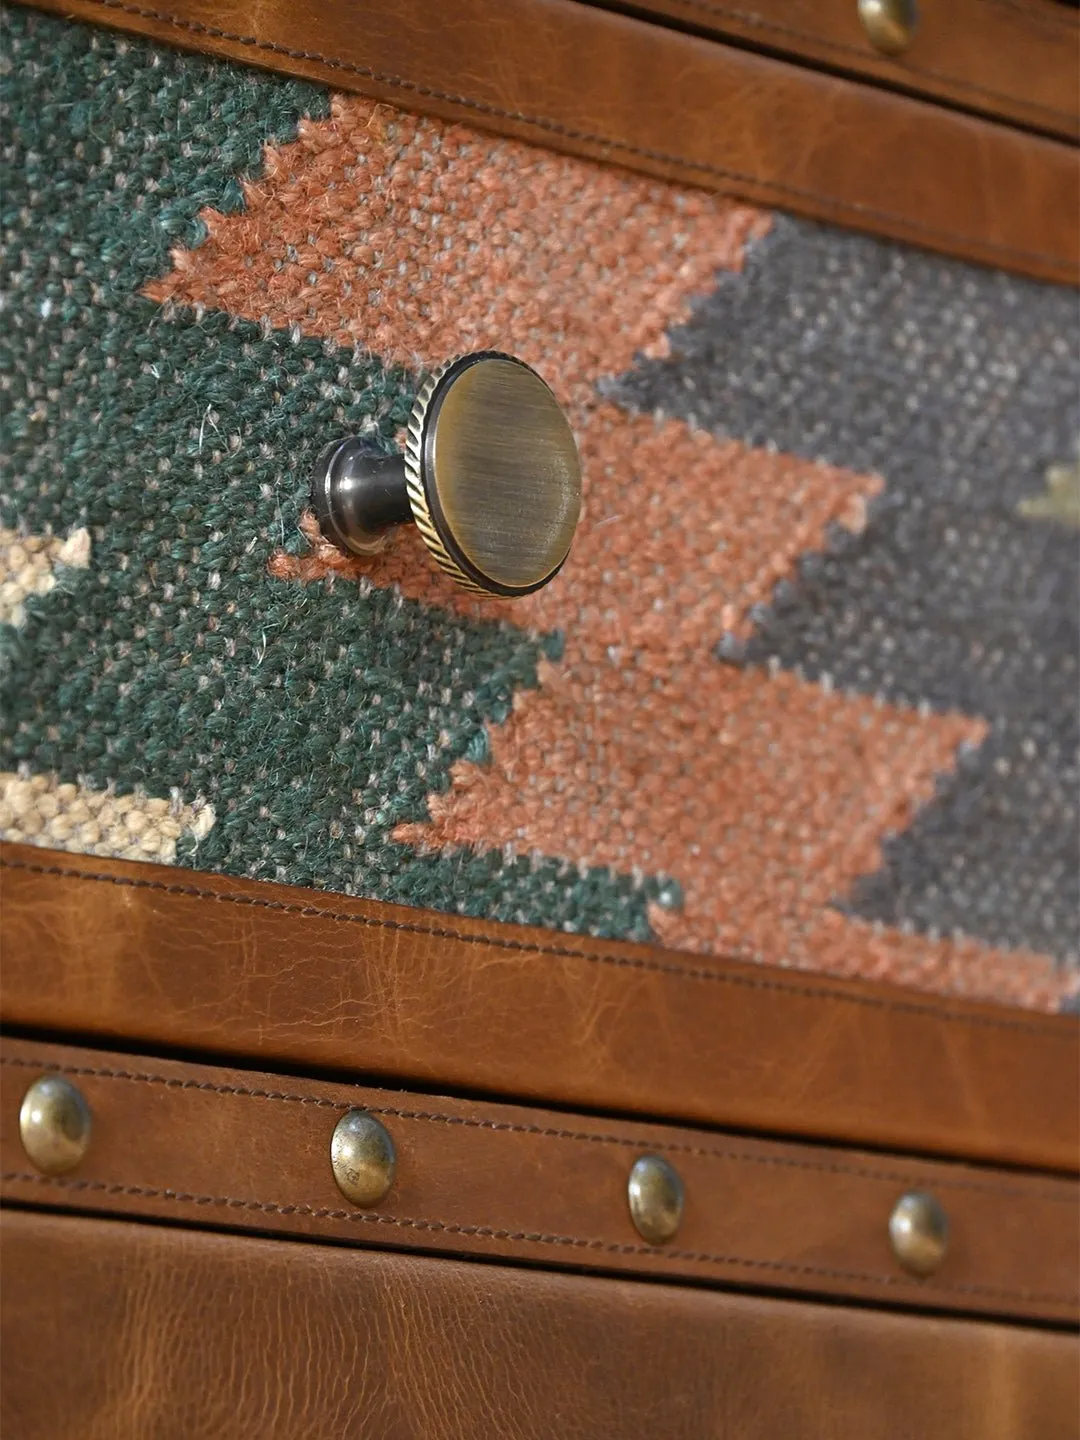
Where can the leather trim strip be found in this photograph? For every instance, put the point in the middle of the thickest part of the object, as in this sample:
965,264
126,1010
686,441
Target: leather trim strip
1012,62
154,956
179,1141
174,1333
600,84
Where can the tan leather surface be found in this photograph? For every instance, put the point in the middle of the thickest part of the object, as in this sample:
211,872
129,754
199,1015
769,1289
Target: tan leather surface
186,1142
1018,62
114,1331
595,83
158,956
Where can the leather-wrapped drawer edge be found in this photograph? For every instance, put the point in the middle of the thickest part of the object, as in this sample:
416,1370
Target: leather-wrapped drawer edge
148,958
1016,62
187,1142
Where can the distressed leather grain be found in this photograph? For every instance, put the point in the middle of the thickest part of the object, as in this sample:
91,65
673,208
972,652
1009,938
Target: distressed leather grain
1017,62
184,1142
595,83
115,1331
151,955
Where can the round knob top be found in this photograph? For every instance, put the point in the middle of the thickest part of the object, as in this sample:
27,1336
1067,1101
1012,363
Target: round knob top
493,474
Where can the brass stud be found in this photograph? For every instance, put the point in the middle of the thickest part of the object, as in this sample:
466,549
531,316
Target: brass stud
490,475
890,24
656,1196
363,1157
919,1232
55,1125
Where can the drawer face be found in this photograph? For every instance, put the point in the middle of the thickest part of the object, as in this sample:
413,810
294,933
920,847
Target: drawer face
204,1145
803,695
116,1331
1017,62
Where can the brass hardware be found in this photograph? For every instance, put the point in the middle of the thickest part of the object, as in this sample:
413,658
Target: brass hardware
890,24
55,1125
363,1157
919,1232
490,475
656,1196
1061,499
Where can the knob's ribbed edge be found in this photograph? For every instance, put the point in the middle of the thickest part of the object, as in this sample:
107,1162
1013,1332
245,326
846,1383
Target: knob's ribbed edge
414,480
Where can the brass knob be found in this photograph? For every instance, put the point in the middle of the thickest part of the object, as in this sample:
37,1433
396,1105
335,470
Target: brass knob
54,1125
656,1197
490,475
890,24
919,1232
362,1157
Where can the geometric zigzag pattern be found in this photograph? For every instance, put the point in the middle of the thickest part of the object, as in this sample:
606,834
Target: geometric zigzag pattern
733,722
962,388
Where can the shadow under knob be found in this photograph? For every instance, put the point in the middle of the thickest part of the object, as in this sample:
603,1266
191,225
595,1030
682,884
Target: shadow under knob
490,475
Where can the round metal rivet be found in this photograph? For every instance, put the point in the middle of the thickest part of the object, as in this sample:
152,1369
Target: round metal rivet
363,1158
55,1124
919,1232
890,24
656,1196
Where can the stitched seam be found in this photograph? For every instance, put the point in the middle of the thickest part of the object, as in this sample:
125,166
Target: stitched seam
487,1232
759,22
562,952
556,128
545,1131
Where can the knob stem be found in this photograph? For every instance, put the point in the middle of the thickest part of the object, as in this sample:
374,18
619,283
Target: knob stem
358,494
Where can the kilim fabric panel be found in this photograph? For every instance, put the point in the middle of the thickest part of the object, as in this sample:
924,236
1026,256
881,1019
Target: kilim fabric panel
806,691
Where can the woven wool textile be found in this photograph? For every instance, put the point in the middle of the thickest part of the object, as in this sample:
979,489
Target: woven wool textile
806,691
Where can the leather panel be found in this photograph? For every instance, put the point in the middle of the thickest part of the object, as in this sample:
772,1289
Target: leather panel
115,1331
1015,62
150,955
596,83
185,1142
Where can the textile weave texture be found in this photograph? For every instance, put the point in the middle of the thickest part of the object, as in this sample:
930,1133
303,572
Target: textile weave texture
806,691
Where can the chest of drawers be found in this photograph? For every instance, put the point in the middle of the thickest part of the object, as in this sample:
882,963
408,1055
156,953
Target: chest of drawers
696,926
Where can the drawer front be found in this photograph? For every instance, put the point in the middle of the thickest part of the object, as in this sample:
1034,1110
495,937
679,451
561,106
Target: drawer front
804,694
204,1144
117,1331
1013,61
